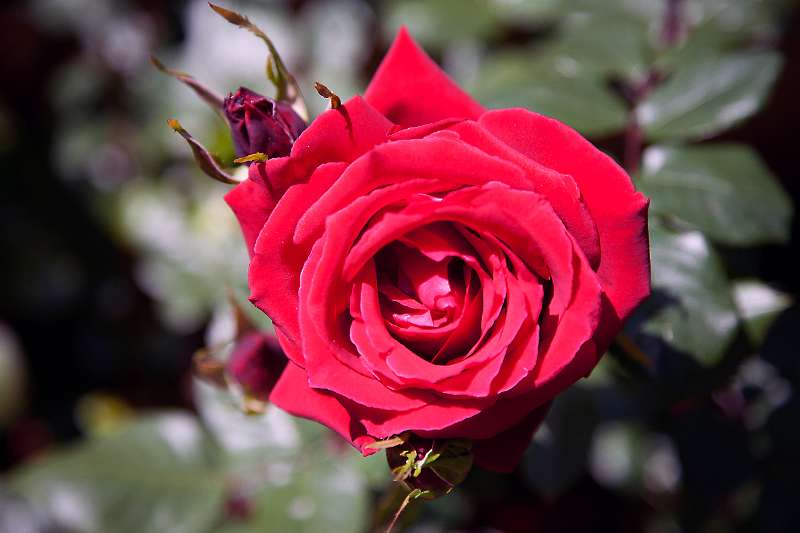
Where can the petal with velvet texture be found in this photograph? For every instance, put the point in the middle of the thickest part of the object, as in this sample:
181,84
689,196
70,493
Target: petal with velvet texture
274,275
411,90
293,395
252,203
619,212
503,452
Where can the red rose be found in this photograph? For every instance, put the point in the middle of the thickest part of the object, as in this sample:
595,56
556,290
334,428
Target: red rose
434,267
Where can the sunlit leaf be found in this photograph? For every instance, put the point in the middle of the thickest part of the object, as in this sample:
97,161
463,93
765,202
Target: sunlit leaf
612,38
704,98
438,24
155,475
713,28
551,86
723,190
245,439
526,12
295,474
693,309
320,494
759,305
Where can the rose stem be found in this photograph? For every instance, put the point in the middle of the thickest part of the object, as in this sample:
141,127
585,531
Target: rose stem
671,31
411,496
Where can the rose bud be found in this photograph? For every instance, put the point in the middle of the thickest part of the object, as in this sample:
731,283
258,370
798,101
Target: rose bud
260,124
433,467
255,364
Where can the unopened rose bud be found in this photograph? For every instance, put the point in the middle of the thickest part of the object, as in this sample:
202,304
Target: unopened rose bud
433,467
260,124
255,364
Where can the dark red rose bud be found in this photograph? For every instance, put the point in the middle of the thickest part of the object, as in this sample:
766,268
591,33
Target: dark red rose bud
433,467
256,363
260,124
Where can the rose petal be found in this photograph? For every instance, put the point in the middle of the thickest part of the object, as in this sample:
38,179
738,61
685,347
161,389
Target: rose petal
337,135
274,274
503,452
560,189
252,203
448,163
331,361
410,89
619,212
293,395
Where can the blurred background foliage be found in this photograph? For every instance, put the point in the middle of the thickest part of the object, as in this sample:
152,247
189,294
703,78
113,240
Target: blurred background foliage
117,253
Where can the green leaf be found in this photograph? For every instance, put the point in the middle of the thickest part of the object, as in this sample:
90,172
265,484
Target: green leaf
724,190
614,37
698,317
293,473
552,86
245,440
759,305
717,27
321,495
439,24
704,98
155,475
528,12
739,20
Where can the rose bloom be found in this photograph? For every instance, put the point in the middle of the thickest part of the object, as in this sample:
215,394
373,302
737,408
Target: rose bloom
435,267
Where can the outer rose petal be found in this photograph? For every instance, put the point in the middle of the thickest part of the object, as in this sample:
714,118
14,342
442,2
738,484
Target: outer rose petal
293,395
336,135
560,189
411,90
317,159
445,162
503,452
619,212
274,275
252,203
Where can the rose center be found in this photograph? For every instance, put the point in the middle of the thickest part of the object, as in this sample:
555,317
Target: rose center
430,298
